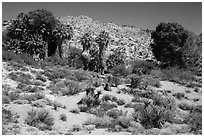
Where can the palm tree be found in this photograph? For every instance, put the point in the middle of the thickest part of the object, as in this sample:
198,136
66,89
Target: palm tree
86,41
102,40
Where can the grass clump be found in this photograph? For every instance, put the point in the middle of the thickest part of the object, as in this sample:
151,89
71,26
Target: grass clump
40,118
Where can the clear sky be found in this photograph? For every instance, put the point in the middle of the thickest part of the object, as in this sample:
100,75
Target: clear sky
145,15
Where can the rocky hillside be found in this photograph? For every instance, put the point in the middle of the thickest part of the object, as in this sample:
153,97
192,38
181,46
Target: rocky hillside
129,40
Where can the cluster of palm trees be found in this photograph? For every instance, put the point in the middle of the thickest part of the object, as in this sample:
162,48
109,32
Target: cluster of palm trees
99,55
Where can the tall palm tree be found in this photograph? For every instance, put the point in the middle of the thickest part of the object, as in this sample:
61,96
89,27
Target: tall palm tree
102,40
86,41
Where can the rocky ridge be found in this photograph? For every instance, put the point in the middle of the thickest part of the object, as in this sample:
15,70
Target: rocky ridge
134,43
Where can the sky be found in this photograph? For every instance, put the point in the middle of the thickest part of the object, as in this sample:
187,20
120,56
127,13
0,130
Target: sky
144,15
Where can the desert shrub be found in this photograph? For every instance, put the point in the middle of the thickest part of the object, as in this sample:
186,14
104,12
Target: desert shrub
73,88
81,75
19,101
116,58
83,108
40,77
75,111
99,112
74,57
63,117
32,97
40,118
179,95
28,59
164,101
13,95
20,58
57,104
107,97
194,120
11,56
178,75
99,122
142,82
185,106
157,74
123,121
120,102
129,105
5,99
8,116
106,106
114,81
141,67
120,70
114,113
153,116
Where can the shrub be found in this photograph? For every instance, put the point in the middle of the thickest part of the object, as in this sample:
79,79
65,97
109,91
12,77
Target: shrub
13,95
32,97
40,118
40,77
74,57
107,97
120,70
99,112
114,81
83,108
8,116
57,104
120,102
153,116
178,75
75,111
185,106
179,95
141,67
63,117
11,56
81,75
106,106
114,113
99,122
5,99
194,120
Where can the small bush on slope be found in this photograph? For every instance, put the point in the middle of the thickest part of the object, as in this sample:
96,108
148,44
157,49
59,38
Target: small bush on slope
40,118
153,116
120,70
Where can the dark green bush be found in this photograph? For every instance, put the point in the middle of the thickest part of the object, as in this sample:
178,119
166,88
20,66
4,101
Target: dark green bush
40,118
